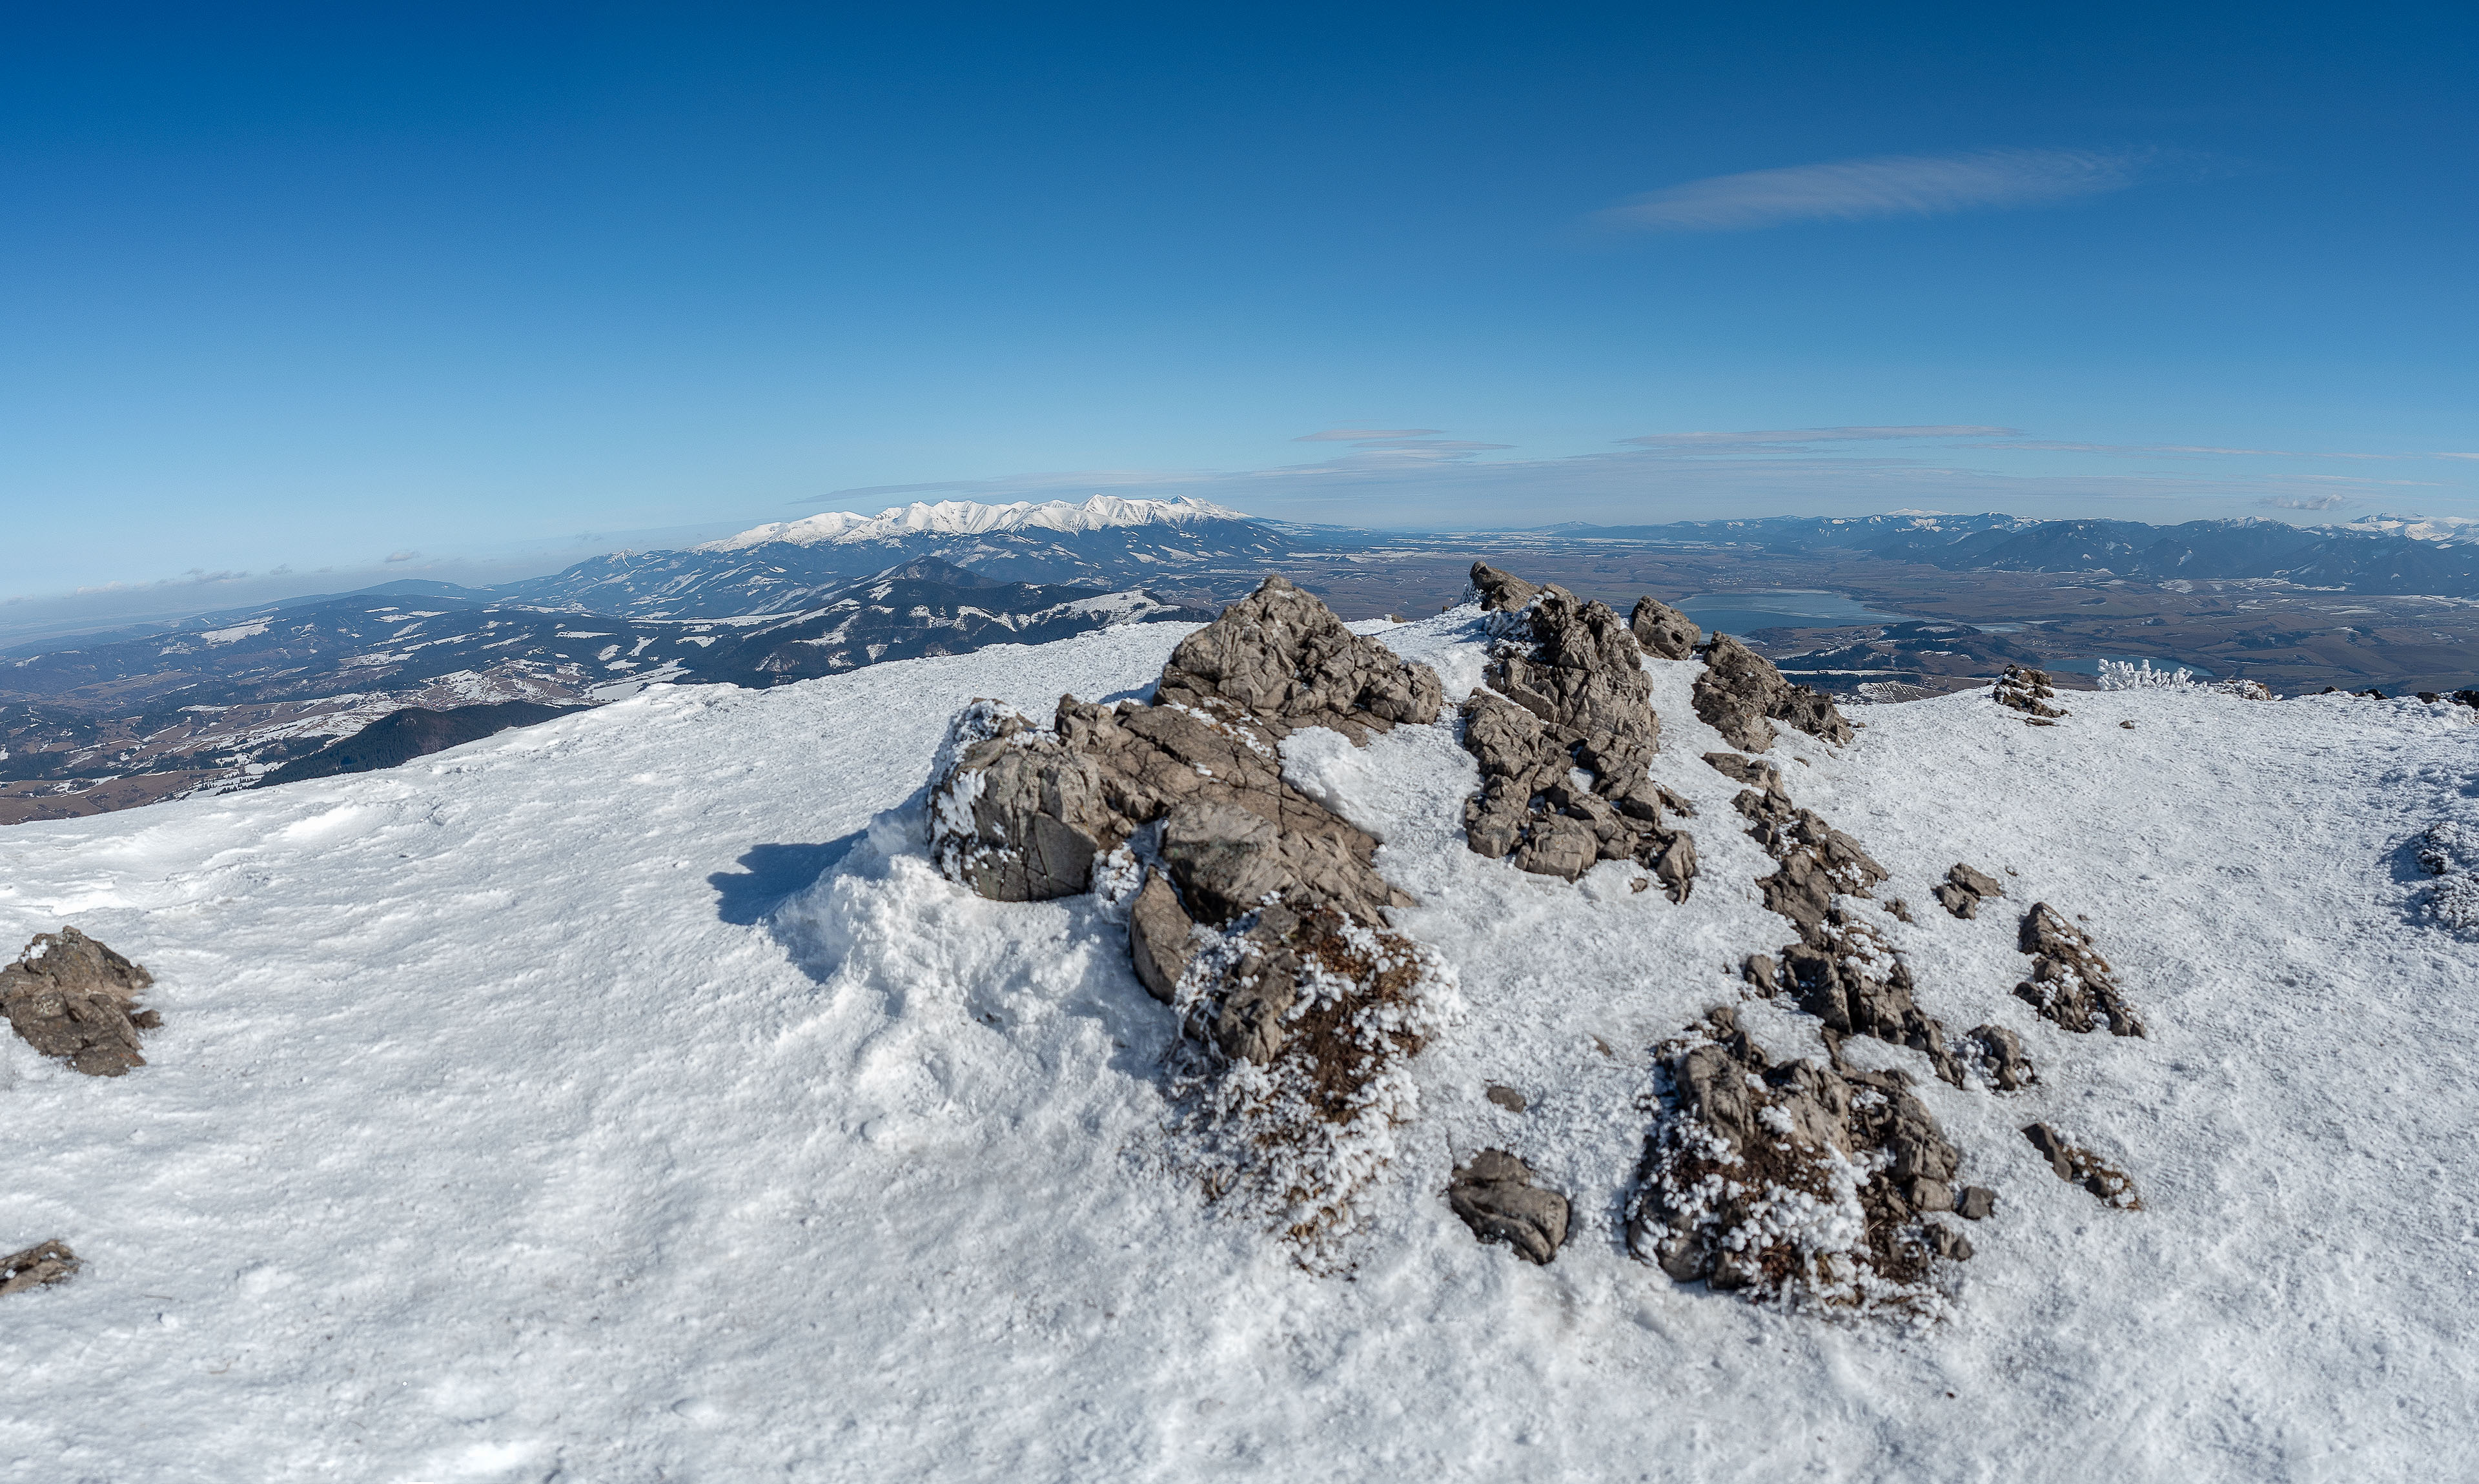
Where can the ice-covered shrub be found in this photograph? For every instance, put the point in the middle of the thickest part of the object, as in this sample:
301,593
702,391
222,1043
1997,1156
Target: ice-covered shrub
2138,675
2450,852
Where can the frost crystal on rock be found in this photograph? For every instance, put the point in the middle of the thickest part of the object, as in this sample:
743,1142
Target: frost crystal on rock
1796,1181
2071,983
2450,852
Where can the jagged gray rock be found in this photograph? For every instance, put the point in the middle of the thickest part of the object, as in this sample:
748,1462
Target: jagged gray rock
1496,1197
1841,970
1665,632
1500,592
2029,692
1744,1141
1740,690
1977,1203
2108,1184
1288,662
1568,695
43,1264
1964,889
71,997
2071,984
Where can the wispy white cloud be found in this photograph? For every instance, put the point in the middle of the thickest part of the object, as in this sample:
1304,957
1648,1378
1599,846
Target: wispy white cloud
1366,434
1884,186
2319,503
1790,437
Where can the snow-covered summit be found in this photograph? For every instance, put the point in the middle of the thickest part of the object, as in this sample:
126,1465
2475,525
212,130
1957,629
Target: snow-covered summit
970,518
631,1097
2451,530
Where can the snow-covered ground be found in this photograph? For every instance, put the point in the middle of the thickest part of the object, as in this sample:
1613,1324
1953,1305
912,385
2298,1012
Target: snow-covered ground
524,1113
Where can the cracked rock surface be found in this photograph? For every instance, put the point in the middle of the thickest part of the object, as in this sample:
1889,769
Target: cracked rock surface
1665,632
1795,1179
1842,970
71,997
1565,739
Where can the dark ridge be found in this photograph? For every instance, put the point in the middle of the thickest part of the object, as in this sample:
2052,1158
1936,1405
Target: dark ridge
416,731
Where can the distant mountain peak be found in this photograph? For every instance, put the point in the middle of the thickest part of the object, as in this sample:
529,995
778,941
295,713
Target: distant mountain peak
971,517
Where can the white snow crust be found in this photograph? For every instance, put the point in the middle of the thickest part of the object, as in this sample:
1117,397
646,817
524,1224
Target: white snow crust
509,1121
970,518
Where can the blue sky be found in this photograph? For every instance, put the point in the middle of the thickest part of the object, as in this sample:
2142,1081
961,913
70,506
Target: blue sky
317,287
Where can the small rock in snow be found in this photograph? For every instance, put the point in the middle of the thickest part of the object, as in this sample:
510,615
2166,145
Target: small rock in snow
1497,1198
70,996
41,1264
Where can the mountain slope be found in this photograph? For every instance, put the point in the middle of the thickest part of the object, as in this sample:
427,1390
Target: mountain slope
507,1120
203,707
2390,555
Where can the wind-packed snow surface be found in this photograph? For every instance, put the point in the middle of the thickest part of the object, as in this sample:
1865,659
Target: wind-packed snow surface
528,1112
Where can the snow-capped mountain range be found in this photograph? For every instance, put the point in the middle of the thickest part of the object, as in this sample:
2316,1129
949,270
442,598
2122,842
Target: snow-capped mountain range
968,517
785,566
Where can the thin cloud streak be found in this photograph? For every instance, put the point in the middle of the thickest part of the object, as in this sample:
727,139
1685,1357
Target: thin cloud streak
1885,185
1788,437
1366,434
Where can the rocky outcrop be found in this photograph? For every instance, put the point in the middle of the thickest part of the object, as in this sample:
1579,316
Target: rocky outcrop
1842,970
44,1264
1795,1180
2071,984
1496,1197
1253,910
1565,739
1285,660
2029,692
1964,889
2108,1184
1665,632
71,997
1740,695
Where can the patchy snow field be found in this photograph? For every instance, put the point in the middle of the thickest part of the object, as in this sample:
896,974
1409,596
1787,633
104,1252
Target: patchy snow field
526,1113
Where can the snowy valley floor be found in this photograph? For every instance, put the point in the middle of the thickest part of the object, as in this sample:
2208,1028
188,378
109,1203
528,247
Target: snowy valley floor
526,1114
